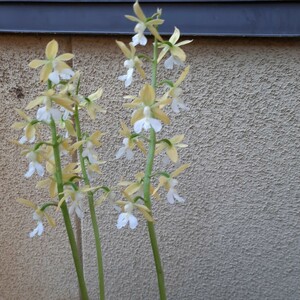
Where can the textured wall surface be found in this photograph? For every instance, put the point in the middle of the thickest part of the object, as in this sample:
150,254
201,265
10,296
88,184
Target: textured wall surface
237,236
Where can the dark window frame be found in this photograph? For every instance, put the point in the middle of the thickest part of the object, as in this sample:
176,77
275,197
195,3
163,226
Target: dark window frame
273,18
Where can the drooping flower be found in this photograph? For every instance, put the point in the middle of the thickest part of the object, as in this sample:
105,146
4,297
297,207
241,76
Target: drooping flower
127,217
54,67
38,216
176,92
131,63
129,142
35,159
172,194
91,142
39,228
169,183
178,56
91,106
142,23
77,205
125,150
28,125
171,145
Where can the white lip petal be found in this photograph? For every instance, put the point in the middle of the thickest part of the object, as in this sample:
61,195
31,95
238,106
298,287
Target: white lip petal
129,154
122,220
138,125
133,222
169,63
155,124
120,152
39,168
30,171
54,77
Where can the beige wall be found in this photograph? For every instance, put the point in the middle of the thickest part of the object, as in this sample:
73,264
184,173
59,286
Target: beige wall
236,236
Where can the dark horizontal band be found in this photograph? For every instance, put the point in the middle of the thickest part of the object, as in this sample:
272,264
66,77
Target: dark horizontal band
202,18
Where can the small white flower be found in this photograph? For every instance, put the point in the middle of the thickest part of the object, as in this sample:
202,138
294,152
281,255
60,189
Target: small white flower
127,217
34,165
90,153
129,64
139,38
171,61
177,102
39,228
172,194
147,122
45,114
125,150
77,205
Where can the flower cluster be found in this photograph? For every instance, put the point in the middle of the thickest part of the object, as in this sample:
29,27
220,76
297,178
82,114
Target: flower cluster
57,109
150,115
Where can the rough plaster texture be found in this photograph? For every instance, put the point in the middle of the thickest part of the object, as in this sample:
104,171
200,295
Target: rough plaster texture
237,234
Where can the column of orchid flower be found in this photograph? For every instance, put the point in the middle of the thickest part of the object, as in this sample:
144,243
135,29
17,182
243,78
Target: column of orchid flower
147,119
58,111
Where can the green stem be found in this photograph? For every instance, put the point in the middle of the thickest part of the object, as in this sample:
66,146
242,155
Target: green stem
65,212
147,196
92,209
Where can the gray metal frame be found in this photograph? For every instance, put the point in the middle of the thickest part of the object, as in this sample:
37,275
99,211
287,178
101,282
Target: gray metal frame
201,18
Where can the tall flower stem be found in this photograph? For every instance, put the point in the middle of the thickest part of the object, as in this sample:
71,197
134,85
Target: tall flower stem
66,216
147,196
92,208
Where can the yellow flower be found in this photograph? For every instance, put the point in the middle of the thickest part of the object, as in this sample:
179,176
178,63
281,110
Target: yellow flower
178,56
29,127
132,62
52,63
169,183
148,111
38,216
171,146
69,173
91,106
142,23
127,217
175,93
129,143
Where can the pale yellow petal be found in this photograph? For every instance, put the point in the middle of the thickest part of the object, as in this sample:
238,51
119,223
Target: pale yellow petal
175,36
182,76
133,188
179,170
172,153
96,95
50,220
51,49
45,72
137,115
65,56
37,63
147,95
27,203
178,52
159,114
35,102
138,11
124,49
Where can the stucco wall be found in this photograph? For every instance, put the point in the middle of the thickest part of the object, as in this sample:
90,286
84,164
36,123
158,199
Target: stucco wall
237,236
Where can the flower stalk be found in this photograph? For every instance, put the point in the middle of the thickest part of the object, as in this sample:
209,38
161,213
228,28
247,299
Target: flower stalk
65,212
91,207
147,196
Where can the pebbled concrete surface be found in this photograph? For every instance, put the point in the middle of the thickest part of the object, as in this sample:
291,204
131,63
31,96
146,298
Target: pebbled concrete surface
237,234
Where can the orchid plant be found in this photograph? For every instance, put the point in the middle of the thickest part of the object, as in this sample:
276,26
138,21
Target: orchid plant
148,118
51,136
